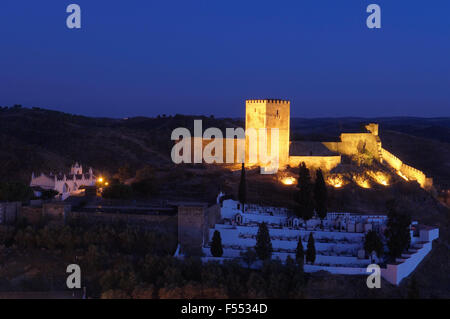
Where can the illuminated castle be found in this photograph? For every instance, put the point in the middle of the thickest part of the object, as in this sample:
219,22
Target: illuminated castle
263,115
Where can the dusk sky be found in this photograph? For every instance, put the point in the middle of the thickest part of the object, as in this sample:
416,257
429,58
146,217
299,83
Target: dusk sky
146,57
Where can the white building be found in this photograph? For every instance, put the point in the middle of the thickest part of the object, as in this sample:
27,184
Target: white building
64,184
339,238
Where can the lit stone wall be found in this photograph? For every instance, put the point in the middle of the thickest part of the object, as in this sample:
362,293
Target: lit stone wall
391,159
410,172
220,147
326,163
354,143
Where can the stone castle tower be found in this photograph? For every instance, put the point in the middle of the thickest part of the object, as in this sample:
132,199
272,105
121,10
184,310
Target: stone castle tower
268,114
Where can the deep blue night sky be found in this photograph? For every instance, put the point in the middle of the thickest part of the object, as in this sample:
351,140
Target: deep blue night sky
146,57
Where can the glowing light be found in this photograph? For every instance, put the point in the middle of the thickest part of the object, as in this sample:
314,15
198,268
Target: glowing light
336,181
288,181
402,176
361,181
100,180
106,183
379,177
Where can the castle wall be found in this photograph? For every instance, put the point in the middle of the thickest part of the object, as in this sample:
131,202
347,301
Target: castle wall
354,143
410,172
357,143
129,219
236,144
326,163
372,128
391,159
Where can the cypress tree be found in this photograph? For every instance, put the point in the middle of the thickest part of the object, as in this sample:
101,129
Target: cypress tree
305,200
397,231
320,195
263,246
311,250
216,245
372,242
242,192
300,253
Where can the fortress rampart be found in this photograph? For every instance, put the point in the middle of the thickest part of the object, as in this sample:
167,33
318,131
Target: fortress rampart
266,114
409,172
326,163
354,143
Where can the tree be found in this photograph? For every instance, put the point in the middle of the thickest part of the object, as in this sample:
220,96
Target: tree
372,242
249,256
320,195
397,231
310,250
118,191
300,253
144,188
263,246
216,245
305,200
15,192
145,182
242,193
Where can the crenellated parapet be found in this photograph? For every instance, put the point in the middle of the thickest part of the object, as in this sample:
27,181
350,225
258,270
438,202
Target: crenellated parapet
272,101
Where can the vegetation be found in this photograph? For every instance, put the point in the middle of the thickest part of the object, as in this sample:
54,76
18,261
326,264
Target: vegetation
320,195
397,232
216,245
120,261
305,199
144,184
118,191
300,253
249,256
263,246
15,192
372,242
310,250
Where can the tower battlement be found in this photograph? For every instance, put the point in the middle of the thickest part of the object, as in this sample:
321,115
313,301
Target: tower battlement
272,101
